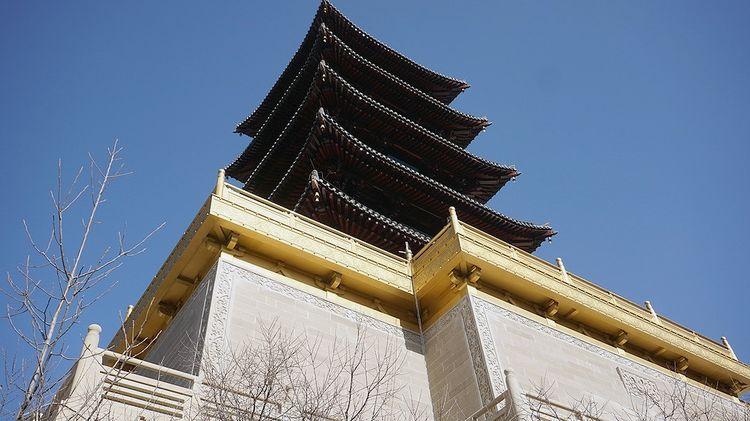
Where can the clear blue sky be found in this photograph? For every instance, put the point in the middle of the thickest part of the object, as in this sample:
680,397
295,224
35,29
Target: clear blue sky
630,122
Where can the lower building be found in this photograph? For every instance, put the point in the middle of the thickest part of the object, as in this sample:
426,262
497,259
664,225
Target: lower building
255,296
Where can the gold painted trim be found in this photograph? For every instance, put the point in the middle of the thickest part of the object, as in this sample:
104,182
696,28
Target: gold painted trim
271,220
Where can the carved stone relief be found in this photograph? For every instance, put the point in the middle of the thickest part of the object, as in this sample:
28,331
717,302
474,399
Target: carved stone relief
637,385
217,332
488,344
464,310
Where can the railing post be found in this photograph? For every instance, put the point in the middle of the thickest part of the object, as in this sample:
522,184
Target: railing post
90,346
454,220
519,408
725,341
86,370
564,272
219,191
651,310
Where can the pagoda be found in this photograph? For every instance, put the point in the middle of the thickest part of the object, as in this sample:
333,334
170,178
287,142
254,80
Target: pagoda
357,158
360,138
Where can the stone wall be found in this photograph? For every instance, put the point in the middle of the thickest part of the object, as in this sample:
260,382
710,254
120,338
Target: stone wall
455,373
571,367
247,298
456,367
181,344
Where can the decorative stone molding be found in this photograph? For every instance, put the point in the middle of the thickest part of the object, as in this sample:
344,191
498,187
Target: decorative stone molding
488,344
434,256
217,332
464,311
637,385
477,244
236,273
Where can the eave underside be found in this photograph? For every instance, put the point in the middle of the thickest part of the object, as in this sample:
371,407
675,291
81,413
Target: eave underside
325,203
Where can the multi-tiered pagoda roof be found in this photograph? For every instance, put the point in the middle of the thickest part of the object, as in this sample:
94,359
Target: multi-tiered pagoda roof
360,138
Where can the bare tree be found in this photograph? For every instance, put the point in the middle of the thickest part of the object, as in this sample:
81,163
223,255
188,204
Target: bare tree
544,406
64,278
445,407
295,376
683,402
676,401
91,398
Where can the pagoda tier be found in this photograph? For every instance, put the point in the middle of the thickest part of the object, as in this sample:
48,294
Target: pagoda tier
392,188
361,139
373,81
441,87
382,128
325,203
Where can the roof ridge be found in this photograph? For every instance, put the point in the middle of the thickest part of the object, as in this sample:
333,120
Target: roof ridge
450,87
324,67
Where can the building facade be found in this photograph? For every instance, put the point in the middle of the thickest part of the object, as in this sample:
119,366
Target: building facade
361,224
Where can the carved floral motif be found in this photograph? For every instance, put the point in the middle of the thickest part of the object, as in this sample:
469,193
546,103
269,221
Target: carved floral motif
463,309
217,333
637,385
488,344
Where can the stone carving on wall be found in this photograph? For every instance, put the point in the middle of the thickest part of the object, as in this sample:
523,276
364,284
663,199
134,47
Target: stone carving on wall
464,310
217,333
488,344
637,385
233,272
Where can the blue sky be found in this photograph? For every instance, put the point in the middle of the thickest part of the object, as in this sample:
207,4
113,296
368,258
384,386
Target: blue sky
629,120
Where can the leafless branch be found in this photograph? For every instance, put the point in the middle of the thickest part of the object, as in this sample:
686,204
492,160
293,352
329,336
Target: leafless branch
47,297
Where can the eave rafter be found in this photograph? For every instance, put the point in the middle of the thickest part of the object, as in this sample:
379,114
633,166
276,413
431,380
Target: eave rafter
325,203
